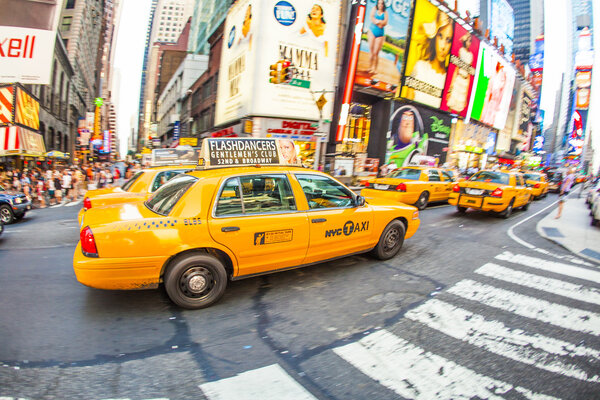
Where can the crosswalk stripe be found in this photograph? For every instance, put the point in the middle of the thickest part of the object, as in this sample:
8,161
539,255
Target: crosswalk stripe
270,382
73,203
555,286
530,307
493,336
550,266
414,373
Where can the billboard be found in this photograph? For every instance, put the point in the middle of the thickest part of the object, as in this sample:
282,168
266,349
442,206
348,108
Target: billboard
502,24
461,72
428,55
575,138
536,63
414,131
260,33
7,101
27,35
27,110
524,123
582,99
492,90
383,45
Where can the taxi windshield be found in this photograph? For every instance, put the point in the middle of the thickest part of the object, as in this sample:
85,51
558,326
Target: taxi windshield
532,177
408,173
127,185
165,198
491,176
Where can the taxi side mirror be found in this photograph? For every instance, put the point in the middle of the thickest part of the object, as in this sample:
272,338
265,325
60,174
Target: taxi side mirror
359,201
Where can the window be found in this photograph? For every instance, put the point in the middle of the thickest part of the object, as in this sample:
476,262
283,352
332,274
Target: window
519,180
408,173
447,176
163,177
66,24
70,4
259,194
165,198
323,192
532,177
434,176
489,176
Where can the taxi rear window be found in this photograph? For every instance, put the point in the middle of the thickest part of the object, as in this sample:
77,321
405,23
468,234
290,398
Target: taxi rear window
127,185
409,173
531,177
165,198
490,176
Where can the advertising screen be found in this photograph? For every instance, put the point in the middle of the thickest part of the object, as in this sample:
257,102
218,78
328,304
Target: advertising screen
383,44
417,131
525,112
28,32
503,24
461,71
27,110
536,63
257,35
582,99
428,55
492,90
575,139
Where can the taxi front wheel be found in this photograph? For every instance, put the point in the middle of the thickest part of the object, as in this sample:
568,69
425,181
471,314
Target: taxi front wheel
391,241
196,281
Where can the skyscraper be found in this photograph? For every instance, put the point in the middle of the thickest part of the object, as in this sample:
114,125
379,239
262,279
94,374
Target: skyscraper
529,23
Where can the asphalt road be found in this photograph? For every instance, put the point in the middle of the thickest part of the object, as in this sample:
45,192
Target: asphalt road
464,311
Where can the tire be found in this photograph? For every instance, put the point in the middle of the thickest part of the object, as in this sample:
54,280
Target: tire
6,214
391,240
526,206
422,201
594,222
19,217
461,210
509,209
209,276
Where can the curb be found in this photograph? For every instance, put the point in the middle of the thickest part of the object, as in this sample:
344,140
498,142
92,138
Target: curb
586,257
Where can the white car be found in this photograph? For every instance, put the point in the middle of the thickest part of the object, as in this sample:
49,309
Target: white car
592,193
595,205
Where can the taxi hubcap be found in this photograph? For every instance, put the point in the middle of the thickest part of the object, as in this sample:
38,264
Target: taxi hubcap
196,282
391,239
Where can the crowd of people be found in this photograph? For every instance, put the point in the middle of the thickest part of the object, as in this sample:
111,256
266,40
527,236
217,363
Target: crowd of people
61,184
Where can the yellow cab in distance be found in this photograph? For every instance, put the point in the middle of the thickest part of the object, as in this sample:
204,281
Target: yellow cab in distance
242,213
411,185
538,182
138,187
487,190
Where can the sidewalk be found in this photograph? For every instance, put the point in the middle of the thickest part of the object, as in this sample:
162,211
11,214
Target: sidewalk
573,230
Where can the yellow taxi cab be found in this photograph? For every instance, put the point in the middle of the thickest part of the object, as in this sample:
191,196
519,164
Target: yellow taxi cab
138,187
538,182
411,185
497,191
241,214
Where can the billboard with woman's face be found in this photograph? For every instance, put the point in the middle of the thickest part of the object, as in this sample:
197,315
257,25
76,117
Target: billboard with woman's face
383,45
492,90
428,55
461,72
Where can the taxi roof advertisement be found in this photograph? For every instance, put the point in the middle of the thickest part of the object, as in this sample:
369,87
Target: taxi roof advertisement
492,90
28,32
383,45
247,151
260,33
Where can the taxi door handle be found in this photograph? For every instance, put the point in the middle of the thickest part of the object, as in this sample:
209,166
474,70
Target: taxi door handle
230,228
317,220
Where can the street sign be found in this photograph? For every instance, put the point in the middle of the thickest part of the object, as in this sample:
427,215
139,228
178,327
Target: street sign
300,83
321,102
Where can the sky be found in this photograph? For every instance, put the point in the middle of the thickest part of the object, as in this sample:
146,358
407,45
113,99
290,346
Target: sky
129,58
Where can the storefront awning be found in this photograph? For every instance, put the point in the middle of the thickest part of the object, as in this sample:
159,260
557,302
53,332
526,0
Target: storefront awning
16,140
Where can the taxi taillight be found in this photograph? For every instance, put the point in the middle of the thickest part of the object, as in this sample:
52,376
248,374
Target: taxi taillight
401,187
456,188
367,183
497,192
87,203
88,243
537,186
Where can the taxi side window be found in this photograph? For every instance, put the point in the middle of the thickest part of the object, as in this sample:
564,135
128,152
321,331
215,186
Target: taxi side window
447,176
519,180
266,193
230,199
433,176
323,192
163,177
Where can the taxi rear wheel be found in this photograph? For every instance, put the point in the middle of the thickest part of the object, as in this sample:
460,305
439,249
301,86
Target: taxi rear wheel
196,281
423,200
391,241
508,210
461,210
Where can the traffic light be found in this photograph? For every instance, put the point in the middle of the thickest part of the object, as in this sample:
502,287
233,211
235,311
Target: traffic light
276,69
287,71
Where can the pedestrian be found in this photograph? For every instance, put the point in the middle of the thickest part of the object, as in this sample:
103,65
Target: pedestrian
565,187
58,185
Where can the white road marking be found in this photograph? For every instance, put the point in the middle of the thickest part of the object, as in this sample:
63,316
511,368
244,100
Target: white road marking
532,349
551,266
270,382
521,241
56,205
555,286
414,373
530,307
73,203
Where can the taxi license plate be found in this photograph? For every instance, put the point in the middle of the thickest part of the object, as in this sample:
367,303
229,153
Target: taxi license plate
469,201
381,187
476,192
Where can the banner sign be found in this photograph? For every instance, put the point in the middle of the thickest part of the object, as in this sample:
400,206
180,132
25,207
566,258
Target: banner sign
177,156
27,110
428,55
383,45
575,138
7,97
525,112
27,36
582,99
461,72
417,131
248,151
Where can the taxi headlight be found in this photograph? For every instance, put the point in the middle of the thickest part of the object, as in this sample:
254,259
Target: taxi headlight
17,200
415,215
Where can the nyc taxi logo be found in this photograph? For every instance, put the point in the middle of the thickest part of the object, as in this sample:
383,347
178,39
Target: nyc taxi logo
348,229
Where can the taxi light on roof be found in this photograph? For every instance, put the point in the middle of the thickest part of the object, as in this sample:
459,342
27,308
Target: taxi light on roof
456,188
88,243
87,203
497,192
401,187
